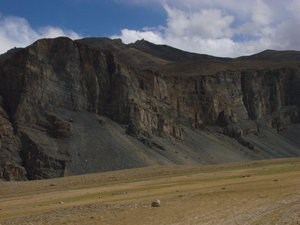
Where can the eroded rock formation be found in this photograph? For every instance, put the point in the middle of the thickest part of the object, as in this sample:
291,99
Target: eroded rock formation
72,107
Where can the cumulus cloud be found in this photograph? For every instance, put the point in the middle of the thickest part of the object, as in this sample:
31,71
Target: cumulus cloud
224,28
129,36
17,32
207,23
262,14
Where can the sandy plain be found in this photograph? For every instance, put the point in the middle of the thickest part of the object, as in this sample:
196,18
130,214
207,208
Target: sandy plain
259,192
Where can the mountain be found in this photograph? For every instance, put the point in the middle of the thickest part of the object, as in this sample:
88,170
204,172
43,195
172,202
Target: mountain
274,56
170,53
95,104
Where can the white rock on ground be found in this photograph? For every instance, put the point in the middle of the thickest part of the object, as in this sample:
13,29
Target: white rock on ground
155,203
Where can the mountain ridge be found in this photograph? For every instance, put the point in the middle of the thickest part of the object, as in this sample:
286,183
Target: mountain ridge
74,107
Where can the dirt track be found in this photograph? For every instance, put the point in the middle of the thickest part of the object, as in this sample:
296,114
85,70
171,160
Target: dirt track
252,193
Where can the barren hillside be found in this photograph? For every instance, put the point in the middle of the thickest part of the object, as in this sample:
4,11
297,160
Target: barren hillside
76,107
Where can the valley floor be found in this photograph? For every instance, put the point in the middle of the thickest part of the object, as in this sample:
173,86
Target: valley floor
261,192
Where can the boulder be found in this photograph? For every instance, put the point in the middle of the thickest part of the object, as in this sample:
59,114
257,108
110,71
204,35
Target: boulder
155,203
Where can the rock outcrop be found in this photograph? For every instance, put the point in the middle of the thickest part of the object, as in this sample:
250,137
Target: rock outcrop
72,107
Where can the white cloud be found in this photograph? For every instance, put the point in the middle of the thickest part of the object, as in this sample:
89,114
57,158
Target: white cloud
17,32
129,36
52,32
294,7
262,14
207,23
224,28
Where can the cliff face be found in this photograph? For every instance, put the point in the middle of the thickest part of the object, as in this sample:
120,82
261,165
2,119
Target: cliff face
71,107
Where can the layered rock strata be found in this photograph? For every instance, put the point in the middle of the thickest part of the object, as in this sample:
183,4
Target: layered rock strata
72,107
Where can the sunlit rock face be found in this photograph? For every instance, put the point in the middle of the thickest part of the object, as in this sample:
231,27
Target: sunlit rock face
74,107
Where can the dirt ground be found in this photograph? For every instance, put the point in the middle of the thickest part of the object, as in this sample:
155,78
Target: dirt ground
262,192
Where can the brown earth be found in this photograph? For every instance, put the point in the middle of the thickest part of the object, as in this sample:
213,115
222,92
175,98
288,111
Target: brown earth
260,192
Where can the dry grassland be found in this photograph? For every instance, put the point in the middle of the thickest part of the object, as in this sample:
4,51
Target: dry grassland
262,192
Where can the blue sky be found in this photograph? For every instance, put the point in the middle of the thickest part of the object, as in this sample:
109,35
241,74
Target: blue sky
217,27
86,17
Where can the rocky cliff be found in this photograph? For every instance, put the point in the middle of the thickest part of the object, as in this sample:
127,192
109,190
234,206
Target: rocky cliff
72,107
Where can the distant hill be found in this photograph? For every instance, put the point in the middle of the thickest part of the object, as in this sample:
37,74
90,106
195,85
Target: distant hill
274,56
170,53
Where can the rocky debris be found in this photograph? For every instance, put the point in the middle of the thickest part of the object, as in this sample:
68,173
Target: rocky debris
53,93
155,203
120,193
10,168
10,171
58,128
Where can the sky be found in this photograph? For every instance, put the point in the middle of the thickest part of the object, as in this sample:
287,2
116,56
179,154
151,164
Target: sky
228,28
